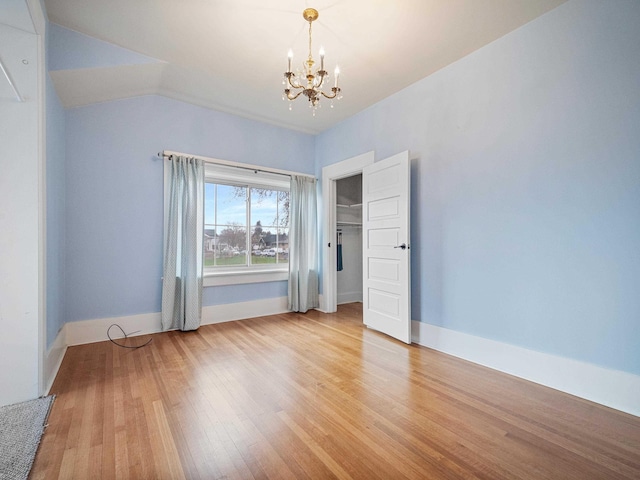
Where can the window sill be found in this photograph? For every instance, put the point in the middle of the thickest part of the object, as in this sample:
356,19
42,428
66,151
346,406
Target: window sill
214,279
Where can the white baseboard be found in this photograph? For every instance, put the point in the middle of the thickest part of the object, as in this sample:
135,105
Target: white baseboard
240,311
90,331
53,359
349,297
613,388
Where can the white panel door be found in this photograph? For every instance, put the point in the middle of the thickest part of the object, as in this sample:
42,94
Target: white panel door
385,238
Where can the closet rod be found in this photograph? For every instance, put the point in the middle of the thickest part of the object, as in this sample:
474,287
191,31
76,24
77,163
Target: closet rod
226,163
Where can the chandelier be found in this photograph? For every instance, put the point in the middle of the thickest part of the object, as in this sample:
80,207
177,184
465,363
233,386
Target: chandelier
306,81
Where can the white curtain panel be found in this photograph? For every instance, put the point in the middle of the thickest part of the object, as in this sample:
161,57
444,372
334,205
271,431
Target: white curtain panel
303,245
182,280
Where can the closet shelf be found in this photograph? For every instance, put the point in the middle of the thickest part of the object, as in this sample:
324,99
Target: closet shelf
357,224
355,205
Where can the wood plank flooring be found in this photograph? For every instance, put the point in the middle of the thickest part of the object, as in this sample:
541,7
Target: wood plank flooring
316,396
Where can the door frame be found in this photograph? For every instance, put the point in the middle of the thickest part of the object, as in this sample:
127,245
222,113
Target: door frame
330,174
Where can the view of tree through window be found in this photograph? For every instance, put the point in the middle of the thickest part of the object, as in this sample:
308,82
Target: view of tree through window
231,211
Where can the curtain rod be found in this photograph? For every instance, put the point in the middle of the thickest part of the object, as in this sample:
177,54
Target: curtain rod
226,163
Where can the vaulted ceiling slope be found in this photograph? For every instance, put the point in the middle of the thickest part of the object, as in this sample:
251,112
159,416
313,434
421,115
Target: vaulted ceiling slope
230,55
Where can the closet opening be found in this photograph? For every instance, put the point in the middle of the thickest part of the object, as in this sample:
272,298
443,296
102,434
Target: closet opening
342,213
349,239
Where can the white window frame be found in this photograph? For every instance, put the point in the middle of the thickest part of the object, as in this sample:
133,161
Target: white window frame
228,175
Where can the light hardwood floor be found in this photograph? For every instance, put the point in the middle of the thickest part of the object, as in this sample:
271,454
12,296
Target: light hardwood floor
316,396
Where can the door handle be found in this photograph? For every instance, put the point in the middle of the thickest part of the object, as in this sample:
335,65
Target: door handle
402,246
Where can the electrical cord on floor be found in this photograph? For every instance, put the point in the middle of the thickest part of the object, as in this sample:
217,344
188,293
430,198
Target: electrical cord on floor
125,337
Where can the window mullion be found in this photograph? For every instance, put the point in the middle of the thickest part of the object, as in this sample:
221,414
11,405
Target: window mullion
215,222
277,226
248,223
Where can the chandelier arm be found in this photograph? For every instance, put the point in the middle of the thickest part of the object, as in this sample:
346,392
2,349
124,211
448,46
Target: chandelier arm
293,97
293,84
318,80
334,91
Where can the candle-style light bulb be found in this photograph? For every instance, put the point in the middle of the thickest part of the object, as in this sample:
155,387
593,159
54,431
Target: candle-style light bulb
321,58
289,56
336,74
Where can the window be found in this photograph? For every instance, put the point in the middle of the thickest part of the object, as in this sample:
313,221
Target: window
230,211
246,226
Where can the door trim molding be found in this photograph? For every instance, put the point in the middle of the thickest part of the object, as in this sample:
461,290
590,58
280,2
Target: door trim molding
331,173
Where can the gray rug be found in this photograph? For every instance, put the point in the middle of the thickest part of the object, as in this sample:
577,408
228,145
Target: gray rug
21,427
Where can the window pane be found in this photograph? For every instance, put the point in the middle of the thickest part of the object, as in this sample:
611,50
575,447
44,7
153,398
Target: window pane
225,243
283,246
209,227
231,204
264,206
263,209
225,237
209,203
283,209
262,240
209,245
231,245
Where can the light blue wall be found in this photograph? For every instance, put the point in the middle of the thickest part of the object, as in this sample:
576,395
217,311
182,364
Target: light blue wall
525,187
114,196
56,214
243,293
526,184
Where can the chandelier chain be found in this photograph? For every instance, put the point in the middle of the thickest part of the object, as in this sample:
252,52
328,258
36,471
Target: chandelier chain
310,57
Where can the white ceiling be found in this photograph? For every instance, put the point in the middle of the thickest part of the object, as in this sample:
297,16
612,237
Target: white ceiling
230,55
